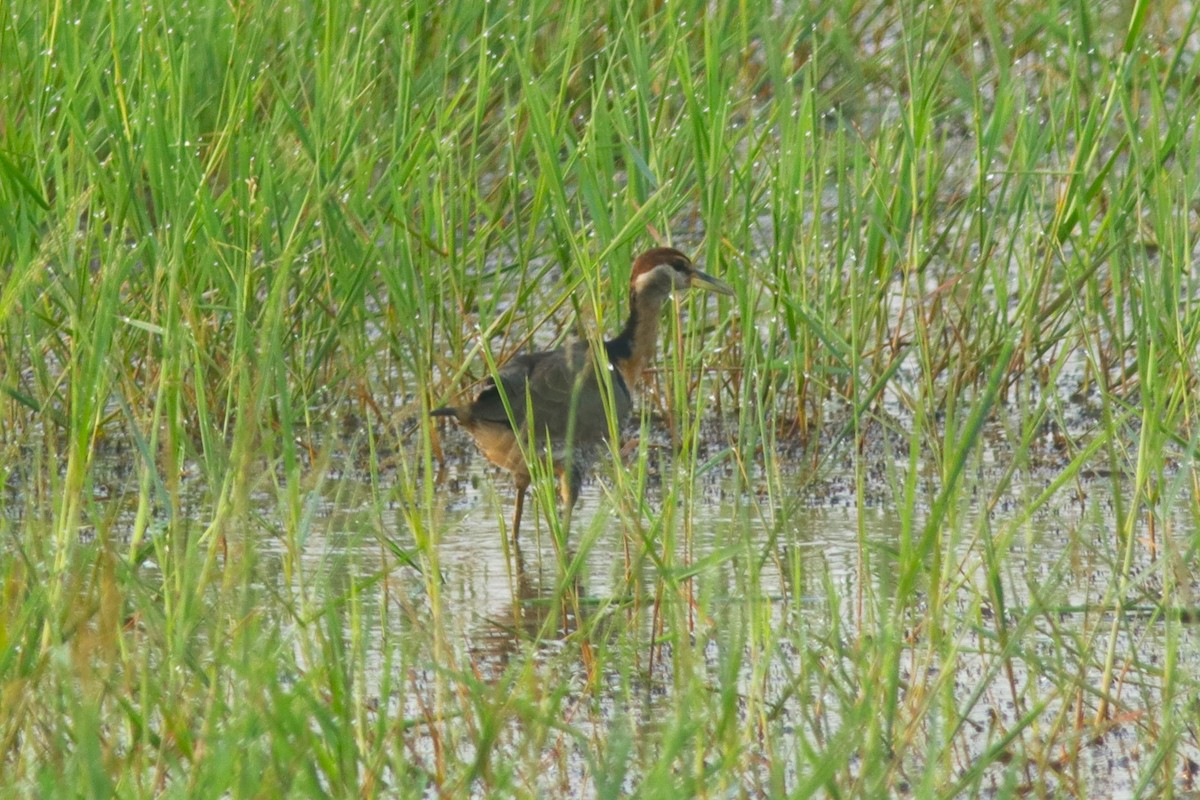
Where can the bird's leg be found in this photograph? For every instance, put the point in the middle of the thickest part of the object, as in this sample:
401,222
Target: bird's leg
571,480
517,509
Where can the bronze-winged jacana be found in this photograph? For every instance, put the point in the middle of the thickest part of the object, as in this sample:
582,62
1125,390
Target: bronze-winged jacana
557,391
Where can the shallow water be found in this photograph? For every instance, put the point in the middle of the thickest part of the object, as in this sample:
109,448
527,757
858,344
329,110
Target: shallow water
809,561
790,571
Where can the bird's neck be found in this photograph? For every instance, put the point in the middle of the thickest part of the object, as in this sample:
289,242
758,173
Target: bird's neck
634,346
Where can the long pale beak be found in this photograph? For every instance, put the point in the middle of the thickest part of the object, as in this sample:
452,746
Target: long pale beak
702,280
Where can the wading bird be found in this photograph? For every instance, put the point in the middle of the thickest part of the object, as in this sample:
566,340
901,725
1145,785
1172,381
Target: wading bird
557,394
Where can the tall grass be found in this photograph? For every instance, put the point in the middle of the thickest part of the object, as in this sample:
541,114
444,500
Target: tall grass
247,247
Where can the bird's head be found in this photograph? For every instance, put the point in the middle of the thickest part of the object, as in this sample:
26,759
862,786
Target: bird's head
657,272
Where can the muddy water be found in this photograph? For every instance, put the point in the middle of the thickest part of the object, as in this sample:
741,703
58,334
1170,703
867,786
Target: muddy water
810,557
814,550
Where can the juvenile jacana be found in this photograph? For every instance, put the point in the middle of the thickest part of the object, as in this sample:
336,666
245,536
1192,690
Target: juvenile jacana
558,392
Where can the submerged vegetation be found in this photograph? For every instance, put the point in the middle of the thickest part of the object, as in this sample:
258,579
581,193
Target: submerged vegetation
913,514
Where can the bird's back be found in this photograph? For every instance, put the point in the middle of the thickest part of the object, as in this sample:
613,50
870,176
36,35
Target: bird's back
558,392
554,390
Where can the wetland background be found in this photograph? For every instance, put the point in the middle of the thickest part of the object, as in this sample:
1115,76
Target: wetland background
914,514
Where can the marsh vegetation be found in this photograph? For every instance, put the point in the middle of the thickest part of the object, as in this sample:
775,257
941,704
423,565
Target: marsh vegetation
914,513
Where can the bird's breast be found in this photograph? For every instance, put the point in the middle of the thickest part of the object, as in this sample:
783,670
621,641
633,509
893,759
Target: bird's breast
630,371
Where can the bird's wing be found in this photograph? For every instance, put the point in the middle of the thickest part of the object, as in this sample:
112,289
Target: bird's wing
543,387
564,383
550,388
513,375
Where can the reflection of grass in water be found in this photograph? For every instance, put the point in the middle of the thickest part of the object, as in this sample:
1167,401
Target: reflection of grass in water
229,226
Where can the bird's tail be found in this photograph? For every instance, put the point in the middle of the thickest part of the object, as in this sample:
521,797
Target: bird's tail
444,411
